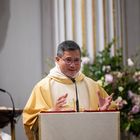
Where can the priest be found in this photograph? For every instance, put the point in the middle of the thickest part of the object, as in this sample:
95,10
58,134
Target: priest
65,88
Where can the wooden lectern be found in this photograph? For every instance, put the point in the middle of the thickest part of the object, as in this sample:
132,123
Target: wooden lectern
79,126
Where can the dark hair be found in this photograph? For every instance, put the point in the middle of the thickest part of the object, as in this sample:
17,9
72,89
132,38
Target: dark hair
67,45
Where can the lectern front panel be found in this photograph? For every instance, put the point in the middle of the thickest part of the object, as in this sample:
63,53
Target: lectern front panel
79,126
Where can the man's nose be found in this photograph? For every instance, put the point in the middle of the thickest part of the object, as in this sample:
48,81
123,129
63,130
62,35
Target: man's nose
72,63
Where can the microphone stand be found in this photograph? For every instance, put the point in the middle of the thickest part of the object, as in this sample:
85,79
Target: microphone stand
4,91
77,100
13,115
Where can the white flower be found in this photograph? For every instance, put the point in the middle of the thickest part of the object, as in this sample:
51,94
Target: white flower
130,62
85,60
119,99
108,78
119,75
106,68
120,89
103,68
120,102
136,76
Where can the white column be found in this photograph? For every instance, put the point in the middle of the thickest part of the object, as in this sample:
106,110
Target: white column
110,24
61,20
78,22
89,28
68,14
118,26
56,25
100,25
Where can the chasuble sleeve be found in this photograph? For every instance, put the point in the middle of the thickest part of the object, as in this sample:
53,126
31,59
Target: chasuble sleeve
40,100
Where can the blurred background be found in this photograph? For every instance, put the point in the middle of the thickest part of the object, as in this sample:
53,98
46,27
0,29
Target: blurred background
30,31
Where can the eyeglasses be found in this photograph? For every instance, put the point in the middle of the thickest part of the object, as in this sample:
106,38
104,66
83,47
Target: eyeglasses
69,60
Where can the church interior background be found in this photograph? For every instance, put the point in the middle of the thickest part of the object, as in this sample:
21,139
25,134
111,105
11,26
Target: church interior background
30,31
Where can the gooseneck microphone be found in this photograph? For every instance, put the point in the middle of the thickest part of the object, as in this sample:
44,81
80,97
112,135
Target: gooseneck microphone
77,100
4,91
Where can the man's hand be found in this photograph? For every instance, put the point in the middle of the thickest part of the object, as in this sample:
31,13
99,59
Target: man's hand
104,103
61,101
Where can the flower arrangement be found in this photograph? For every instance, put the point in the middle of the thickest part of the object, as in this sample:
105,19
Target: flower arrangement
122,80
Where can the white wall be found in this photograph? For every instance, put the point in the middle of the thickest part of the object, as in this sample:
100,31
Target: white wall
132,27
48,36
20,51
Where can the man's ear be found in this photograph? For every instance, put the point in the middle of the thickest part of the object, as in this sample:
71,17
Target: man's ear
57,58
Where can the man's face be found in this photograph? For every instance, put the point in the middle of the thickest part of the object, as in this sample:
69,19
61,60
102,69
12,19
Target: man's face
69,63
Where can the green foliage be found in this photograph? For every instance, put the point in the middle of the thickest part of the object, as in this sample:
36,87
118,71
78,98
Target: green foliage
123,80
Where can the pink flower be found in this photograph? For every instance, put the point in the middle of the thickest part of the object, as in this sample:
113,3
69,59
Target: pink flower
135,109
130,94
136,99
108,78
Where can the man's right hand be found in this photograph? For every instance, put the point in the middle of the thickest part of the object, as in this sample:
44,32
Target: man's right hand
60,103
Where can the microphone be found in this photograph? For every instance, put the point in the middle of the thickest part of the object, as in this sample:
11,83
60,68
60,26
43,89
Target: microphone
77,100
4,91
